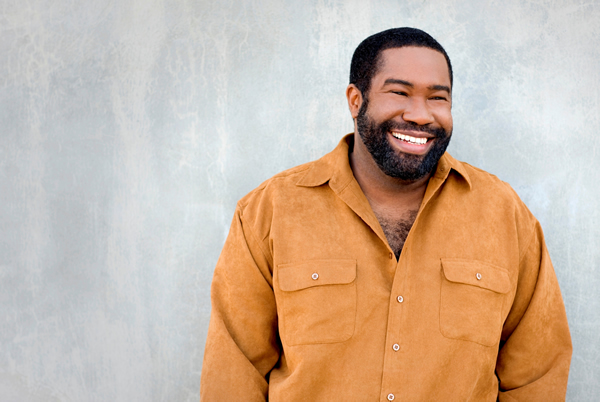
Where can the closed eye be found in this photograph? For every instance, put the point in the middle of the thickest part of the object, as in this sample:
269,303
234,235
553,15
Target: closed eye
401,93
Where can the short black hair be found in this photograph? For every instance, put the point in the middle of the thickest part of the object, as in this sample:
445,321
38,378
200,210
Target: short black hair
367,56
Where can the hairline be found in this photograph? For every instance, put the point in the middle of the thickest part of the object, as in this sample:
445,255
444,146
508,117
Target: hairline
378,63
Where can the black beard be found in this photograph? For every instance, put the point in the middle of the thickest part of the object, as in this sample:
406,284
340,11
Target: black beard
402,166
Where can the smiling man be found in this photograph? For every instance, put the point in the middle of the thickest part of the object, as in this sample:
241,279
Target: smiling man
387,270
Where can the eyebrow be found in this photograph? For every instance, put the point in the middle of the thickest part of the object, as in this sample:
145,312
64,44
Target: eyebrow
397,81
411,85
439,88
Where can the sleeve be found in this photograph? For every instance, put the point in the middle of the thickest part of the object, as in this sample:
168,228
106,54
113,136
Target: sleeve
535,350
242,345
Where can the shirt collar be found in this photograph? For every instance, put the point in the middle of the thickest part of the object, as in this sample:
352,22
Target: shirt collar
335,168
448,163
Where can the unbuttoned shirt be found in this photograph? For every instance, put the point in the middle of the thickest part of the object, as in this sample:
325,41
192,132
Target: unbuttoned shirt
310,304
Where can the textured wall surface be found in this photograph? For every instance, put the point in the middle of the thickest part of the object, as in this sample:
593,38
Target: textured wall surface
129,129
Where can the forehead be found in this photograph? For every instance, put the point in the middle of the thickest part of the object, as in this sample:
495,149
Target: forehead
418,65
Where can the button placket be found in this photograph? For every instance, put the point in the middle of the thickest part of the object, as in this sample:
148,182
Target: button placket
394,334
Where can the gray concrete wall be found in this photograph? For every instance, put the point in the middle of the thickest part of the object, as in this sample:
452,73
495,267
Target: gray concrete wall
129,129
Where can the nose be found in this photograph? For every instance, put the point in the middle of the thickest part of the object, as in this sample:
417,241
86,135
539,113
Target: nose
418,112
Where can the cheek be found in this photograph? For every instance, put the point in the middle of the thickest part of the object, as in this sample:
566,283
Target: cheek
449,123
391,109
444,118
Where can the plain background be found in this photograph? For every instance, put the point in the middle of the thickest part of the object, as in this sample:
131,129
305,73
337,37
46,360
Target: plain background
129,129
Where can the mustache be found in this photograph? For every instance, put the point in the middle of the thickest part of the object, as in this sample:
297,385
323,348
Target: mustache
389,125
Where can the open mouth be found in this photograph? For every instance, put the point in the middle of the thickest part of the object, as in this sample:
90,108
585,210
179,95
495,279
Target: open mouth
409,139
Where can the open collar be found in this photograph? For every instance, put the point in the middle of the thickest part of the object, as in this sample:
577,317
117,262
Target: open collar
335,168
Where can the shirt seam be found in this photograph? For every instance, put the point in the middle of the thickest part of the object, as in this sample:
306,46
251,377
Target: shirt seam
280,176
267,255
524,252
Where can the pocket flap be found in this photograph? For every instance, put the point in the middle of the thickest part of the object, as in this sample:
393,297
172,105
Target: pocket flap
307,274
476,273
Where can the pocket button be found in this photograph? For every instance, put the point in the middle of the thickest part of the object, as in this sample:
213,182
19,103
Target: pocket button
315,276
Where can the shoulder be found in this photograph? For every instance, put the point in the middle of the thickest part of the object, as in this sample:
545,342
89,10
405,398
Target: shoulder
279,196
496,197
482,184
483,181
285,180
292,190
300,180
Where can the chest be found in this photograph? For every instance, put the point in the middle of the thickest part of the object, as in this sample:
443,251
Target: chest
396,228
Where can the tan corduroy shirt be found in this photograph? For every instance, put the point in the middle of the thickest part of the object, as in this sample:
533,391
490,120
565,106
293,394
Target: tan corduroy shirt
310,304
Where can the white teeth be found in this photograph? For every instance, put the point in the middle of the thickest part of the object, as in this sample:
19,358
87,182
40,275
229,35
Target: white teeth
408,138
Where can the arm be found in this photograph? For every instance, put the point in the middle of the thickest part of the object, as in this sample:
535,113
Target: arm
535,352
242,343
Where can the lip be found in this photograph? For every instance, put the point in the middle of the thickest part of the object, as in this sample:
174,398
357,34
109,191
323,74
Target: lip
416,134
408,148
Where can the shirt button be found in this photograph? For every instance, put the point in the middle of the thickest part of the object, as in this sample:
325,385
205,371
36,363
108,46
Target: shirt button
478,276
391,256
315,276
390,397
400,299
396,347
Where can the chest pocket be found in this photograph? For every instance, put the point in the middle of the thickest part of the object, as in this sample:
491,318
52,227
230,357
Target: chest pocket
317,302
471,300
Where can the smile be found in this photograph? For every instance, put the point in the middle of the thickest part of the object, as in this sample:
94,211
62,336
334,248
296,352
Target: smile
409,139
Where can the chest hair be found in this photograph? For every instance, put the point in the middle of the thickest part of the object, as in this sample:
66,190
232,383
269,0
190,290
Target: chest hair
396,229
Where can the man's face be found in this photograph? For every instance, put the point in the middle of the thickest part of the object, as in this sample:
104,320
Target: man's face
405,121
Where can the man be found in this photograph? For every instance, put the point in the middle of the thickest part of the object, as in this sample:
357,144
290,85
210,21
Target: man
387,270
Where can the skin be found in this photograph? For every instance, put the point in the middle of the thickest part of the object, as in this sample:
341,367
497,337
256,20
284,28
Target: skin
411,85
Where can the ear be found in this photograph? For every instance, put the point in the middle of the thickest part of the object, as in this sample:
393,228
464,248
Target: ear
355,99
